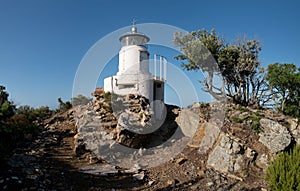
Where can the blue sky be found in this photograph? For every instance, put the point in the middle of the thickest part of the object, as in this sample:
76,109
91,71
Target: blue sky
43,42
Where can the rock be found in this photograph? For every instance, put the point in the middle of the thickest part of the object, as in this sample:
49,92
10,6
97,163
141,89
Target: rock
275,136
294,128
262,161
211,133
151,182
228,156
209,184
104,170
180,161
139,176
172,183
201,173
188,122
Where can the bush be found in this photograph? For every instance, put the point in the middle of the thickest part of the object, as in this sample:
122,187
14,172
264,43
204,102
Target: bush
80,100
17,125
64,106
283,172
33,114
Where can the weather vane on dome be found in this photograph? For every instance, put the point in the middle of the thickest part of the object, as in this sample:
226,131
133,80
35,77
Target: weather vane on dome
133,22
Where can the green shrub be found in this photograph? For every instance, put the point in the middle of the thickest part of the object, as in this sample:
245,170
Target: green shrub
33,114
284,172
107,96
243,109
64,106
255,122
237,120
80,100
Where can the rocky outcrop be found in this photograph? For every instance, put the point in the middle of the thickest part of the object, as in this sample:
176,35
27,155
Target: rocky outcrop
241,145
230,156
247,140
275,137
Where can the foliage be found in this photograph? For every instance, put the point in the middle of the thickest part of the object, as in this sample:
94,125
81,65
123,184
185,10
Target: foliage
201,49
7,108
64,106
255,122
253,118
237,64
284,80
33,114
107,96
80,100
237,119
3,95
283,172
17,125
242,109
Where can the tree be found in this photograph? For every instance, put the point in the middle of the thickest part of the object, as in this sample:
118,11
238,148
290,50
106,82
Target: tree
244,79
237,64
34,114
80,100
7,108
284,80
3,95
64,106
201,50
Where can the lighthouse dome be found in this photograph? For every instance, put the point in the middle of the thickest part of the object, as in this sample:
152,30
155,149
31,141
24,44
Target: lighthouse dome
133,38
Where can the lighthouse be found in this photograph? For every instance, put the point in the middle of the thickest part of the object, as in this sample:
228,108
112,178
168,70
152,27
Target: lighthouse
133,76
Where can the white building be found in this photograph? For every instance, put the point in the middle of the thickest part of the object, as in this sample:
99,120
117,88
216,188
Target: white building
134,76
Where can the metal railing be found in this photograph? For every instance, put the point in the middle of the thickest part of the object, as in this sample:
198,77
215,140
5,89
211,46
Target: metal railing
162,62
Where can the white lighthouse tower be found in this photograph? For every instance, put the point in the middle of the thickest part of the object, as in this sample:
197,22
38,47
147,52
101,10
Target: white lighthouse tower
134,76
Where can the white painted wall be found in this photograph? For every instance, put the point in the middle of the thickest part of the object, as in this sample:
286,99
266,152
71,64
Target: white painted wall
133,59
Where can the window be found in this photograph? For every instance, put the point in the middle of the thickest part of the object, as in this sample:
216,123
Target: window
126,86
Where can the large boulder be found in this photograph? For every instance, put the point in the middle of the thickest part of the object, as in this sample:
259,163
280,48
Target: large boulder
188,122
275,136
230,156
210,132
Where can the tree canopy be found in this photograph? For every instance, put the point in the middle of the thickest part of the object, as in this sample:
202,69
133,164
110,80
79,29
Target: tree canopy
236,63
284,81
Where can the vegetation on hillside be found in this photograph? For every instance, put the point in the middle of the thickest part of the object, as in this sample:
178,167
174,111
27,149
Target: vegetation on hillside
17,124
283,172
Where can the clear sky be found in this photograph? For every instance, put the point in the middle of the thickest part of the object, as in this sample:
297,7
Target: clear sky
43,42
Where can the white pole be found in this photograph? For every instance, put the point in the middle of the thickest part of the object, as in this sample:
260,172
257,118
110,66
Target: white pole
154,66
160,66
165,69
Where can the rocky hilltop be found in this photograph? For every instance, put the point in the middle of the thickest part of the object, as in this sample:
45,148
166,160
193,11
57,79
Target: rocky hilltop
83,148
